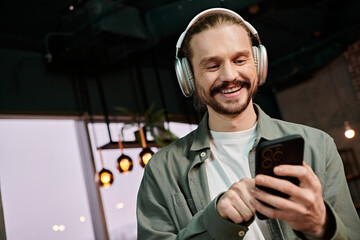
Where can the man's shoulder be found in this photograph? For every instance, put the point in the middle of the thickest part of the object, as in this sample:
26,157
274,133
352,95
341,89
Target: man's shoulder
308,132
183,143
272,126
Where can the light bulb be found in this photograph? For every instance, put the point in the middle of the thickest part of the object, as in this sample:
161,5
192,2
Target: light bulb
145,156
104,178
349,132
124,163
120,205
61,228
55,228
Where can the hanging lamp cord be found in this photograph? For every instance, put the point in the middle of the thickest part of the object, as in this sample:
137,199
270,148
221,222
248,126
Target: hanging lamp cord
121,146
142,136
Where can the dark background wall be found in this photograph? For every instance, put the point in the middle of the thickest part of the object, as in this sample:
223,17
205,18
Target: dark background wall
57,61
326,100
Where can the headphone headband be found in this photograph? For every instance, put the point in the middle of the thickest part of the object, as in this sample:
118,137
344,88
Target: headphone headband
215,10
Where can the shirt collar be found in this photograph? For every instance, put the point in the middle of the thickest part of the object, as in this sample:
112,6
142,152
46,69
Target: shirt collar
265,129
201,139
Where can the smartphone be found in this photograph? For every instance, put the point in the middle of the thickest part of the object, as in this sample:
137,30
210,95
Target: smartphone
269,154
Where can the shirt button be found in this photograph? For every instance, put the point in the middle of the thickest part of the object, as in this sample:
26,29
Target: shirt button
203,154
241,233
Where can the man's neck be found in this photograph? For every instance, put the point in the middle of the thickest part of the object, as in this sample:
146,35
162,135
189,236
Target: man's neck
232,123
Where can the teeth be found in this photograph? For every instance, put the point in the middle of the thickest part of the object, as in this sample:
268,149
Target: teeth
230,90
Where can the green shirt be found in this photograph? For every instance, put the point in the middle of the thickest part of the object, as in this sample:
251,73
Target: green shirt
174,201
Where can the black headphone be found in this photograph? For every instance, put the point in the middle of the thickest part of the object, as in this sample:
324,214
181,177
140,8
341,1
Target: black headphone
182,66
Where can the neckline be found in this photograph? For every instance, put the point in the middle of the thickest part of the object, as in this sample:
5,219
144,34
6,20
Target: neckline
239,135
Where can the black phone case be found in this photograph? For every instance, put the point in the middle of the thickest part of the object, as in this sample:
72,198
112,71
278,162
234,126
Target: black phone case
269,154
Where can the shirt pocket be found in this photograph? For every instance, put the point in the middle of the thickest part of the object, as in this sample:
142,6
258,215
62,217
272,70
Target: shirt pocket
182,212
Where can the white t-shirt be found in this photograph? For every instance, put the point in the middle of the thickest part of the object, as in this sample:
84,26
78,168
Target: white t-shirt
229,163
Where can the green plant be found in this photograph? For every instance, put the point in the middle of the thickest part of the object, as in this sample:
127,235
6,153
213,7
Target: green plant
153,123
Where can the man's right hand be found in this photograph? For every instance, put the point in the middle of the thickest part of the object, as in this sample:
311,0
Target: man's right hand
235,203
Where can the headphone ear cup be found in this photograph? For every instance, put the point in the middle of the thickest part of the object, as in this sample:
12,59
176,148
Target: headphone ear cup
256,59
261,63
189,77
181,75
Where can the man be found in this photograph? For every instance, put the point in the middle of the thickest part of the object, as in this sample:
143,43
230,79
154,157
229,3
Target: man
203,185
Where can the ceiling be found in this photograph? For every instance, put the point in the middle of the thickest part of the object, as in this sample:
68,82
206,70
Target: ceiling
300,36
296,33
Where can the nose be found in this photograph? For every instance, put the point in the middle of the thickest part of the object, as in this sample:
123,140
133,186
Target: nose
228,72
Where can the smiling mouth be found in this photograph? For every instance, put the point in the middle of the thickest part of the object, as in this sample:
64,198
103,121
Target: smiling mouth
230,87
231,90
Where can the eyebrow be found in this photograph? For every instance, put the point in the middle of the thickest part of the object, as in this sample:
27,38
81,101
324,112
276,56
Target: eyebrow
217,59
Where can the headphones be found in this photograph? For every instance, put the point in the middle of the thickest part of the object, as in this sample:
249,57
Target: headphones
182,66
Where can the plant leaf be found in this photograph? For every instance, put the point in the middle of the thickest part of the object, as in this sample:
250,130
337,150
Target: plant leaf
123,110
148,111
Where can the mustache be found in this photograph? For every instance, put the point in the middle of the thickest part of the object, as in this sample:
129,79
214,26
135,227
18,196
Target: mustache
217,88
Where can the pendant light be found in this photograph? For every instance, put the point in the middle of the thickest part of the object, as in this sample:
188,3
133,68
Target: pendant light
124,163
349,132
104,178
146,153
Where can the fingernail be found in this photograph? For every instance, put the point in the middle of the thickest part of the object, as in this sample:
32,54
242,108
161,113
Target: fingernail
278,169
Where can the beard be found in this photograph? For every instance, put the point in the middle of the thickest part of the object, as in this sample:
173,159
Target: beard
228,107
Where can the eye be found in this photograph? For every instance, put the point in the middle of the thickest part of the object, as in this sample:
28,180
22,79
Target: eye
212,67
240,61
